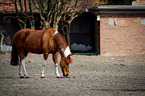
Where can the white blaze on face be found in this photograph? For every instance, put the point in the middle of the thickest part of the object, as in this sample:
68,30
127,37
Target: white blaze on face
67,52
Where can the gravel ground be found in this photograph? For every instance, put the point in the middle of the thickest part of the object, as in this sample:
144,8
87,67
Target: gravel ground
90,76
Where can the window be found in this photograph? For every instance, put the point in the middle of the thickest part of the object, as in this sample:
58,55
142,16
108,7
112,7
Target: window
142,22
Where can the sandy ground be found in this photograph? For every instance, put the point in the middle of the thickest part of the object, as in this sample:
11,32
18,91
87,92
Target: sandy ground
94,76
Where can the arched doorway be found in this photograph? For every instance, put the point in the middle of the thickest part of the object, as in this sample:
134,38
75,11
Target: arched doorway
82,35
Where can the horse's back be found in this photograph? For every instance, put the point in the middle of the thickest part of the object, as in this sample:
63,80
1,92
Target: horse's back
19,37
36,41
20,34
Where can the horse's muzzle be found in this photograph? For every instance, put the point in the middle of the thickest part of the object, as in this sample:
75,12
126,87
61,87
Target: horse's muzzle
65,75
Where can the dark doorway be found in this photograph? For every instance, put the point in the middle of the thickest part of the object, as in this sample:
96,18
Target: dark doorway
97,35
9,27
82,34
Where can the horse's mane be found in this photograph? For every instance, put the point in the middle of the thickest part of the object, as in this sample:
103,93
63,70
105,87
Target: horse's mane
61,43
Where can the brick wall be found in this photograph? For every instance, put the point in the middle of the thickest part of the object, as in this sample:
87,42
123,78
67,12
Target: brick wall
122,34
138,2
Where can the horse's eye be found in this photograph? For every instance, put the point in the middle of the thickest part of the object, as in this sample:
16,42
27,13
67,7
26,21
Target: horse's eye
67,63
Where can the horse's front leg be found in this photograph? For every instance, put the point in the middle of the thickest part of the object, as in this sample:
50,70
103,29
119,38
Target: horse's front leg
56,70
55,57
45,55
43,67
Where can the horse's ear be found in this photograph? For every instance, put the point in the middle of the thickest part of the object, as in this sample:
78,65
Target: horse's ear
71,55
71,60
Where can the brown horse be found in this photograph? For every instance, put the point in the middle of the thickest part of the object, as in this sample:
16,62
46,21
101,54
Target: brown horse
40,42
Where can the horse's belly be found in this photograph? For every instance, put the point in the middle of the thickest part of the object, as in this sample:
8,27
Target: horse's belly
35,50
34,47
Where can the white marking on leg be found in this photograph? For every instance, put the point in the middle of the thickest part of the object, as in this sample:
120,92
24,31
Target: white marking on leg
43,66
67,52
24,69
20,69
56,70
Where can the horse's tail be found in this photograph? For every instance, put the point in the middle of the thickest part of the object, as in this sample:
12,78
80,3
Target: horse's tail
14,56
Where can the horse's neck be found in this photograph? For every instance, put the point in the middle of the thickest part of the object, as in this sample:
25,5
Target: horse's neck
61,44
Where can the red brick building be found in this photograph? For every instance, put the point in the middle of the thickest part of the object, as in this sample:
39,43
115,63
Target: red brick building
120,30
105,30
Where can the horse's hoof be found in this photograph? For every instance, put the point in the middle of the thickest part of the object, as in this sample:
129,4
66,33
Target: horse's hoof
21,76
58,76
27,77
67,77
42,76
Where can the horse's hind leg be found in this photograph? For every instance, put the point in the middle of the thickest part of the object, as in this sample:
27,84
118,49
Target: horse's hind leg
23,54
55,58
24,68
20,71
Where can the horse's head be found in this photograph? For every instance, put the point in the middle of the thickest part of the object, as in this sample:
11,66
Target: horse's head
65,64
